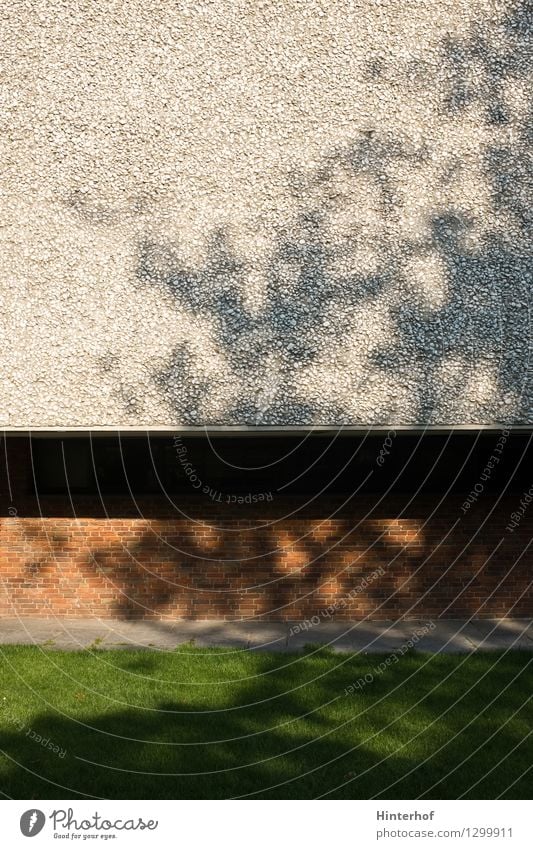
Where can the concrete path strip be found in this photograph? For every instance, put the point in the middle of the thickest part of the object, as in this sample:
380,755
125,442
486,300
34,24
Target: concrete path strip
438,636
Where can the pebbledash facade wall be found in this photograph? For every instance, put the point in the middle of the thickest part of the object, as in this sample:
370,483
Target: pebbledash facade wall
263,214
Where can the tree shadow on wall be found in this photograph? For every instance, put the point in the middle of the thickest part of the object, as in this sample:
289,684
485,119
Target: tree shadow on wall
484,322
304,312
466,355
417,565
267,351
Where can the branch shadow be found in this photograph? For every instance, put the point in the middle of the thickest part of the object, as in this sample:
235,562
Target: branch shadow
463,349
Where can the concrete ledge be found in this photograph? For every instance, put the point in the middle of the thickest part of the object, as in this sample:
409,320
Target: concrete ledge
437,636
260,430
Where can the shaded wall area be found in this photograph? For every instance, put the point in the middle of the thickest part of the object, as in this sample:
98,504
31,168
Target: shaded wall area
378,554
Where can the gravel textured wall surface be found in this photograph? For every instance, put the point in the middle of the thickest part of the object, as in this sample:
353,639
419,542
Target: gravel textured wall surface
265,212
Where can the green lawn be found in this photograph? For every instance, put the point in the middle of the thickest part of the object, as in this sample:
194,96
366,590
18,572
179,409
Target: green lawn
215,724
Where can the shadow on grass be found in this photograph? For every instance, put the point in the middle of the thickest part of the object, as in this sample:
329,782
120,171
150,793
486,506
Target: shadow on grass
267,726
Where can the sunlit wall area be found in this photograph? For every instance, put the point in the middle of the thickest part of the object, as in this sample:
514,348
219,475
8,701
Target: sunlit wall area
265,213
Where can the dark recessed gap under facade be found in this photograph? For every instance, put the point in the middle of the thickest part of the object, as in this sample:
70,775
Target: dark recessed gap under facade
304,464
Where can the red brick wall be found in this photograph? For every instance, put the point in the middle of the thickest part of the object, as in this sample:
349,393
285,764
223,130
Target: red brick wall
398,557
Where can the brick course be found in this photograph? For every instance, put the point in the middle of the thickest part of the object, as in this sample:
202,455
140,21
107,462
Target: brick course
271,561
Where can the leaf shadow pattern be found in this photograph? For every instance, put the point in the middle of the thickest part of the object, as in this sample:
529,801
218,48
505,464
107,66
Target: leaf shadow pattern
271,349
358,562
485,321
335,339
